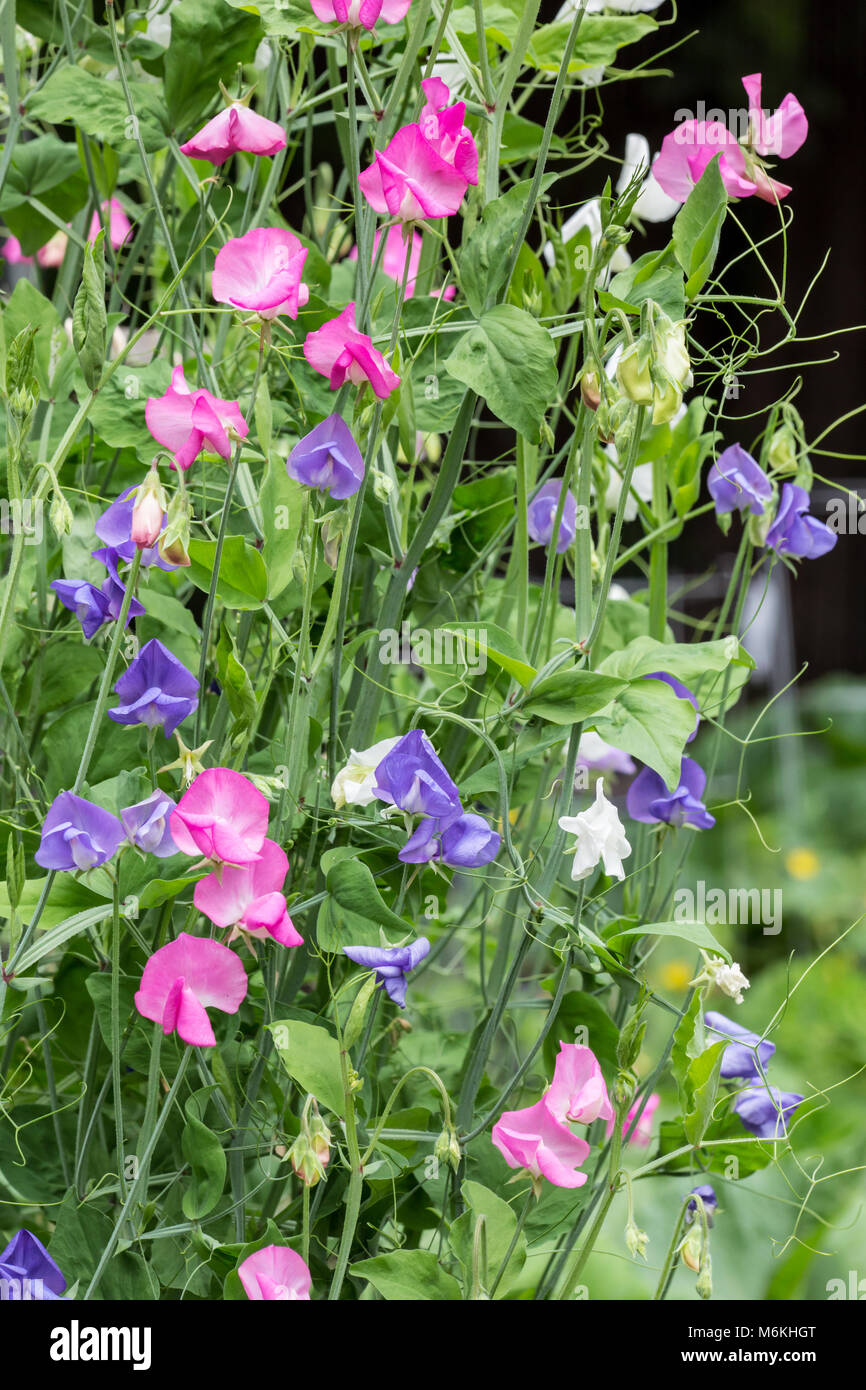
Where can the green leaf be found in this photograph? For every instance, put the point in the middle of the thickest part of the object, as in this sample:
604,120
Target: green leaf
510,360
568,697
702,1085
98,108
358,1012
89,318
208,40
688,661
653,276
484,259
57,936
243,579
353,889
408,1276
54,357
696,933
500,1224
67,896
234,680
162,890
207,1160
499,646
582,1011
650,722
698,226
311,1056
598,41
47,169
282,503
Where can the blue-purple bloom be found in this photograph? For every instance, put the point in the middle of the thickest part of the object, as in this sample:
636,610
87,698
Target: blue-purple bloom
649,800
740,1060
155,689
765,1110
27,1271
114,527
465,842
682,692
328,458
737,481
146,825
412,778
708,1196
77,835
541,514
89,604
391,963
794,532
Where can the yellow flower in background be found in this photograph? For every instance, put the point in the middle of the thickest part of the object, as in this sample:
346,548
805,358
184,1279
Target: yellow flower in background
676,975
802,863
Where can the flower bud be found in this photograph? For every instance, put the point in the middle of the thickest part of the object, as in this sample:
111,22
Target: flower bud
589,392
174,541
60,515
704,1281
655,370
783,451
447,1148
148,510
690,1249
636,1240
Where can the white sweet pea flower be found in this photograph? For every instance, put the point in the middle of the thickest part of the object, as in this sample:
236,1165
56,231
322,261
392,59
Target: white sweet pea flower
353,784
600,837
727,978
652,204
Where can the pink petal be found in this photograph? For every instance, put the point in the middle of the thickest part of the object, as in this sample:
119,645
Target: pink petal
275,1272
261,272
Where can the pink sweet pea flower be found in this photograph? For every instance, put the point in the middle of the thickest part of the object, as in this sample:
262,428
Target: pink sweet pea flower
117,224
221,817
535,1140
234,129
577,1091
276,1272
187,421
183,979
12,253
360,13
249,898
642,1132
338,351
393,261
688,149
261,271
425,170
51,254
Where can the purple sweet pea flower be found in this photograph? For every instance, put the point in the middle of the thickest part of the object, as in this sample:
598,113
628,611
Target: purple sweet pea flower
541,514
391,963
88,603
736,480
414,779
155,689
740,1060
114,527
765,1110
464,842
27,1271
146,825
77,835
796,533
113,587
682,692
328,458
649,800
710,1201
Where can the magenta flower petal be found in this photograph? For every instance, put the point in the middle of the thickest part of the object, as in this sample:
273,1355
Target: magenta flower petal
261,272
534,1139
578,1091
234,129
249,897
340,352
276,1272
781,134
117,224
221,817
187,421
186,977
